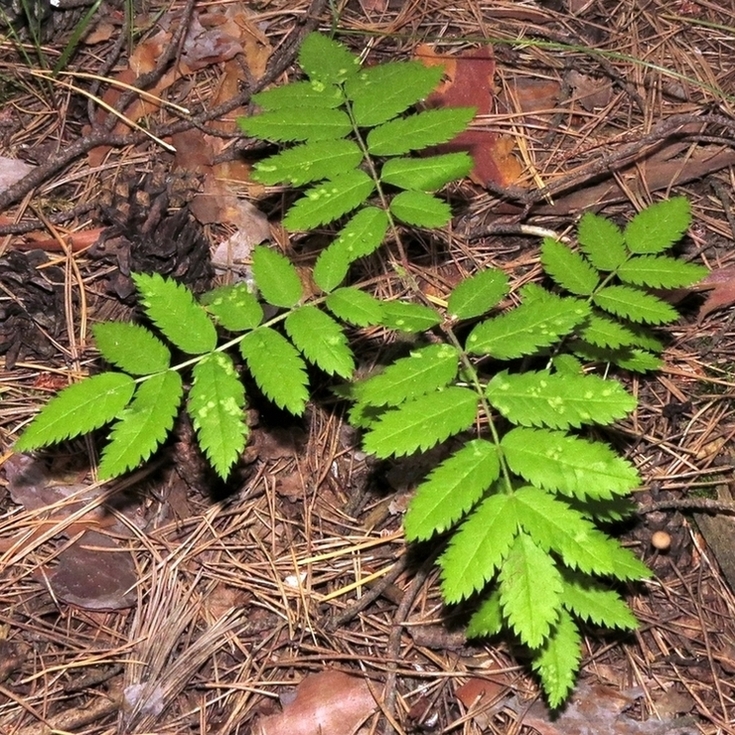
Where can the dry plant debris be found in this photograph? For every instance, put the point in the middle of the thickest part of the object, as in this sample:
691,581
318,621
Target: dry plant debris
601,105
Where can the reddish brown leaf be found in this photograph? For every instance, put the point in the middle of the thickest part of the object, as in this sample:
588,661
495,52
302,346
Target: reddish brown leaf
469,83
722,283
329,703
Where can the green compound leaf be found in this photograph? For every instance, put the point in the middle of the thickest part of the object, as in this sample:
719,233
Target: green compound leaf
602,241
408,317
327,61
478,294
382,92
487,620
330,200
216,403
525,329
659,226
277,368
428,173
171,307
321,340
555,526
602,331
420,209
290,124
451,490
309,162
555,461
234,307
362,235
355,307
417,132
569,269
632,303
131,347
300,94
559,401
78,409
477,549
422,423
591,602
425,370
530,591
557,661
143,425
660,271
276,277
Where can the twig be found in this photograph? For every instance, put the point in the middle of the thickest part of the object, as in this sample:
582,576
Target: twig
701,504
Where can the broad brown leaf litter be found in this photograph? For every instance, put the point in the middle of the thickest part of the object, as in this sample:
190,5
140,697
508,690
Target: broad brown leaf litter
297,566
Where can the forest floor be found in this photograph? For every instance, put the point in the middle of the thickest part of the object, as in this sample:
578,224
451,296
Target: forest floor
167,602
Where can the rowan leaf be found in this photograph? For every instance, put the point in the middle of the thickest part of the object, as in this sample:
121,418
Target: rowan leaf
590,601
451,490
326,61
530,591
143,425
632,303
557,661
569,269
321,340
308,162
172,308
407,317
300,94
525,329
568,464
362,235
427,173
276,277
234,307
555,526
291,124
418,131
558,401
478,548
216,406
131,347
425,370
487,620
659,226
329,200
660,271
602,241
602,331
78,409
420,209
382,92
277,368
355,307
422,423
478,294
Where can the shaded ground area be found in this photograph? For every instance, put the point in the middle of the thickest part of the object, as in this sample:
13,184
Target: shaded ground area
166,602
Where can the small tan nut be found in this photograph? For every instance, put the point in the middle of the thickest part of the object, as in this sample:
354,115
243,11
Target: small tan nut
661,541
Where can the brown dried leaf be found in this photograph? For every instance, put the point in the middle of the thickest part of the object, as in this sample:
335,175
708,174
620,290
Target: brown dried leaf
469,83
94,573
595,709
722,283
328,703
